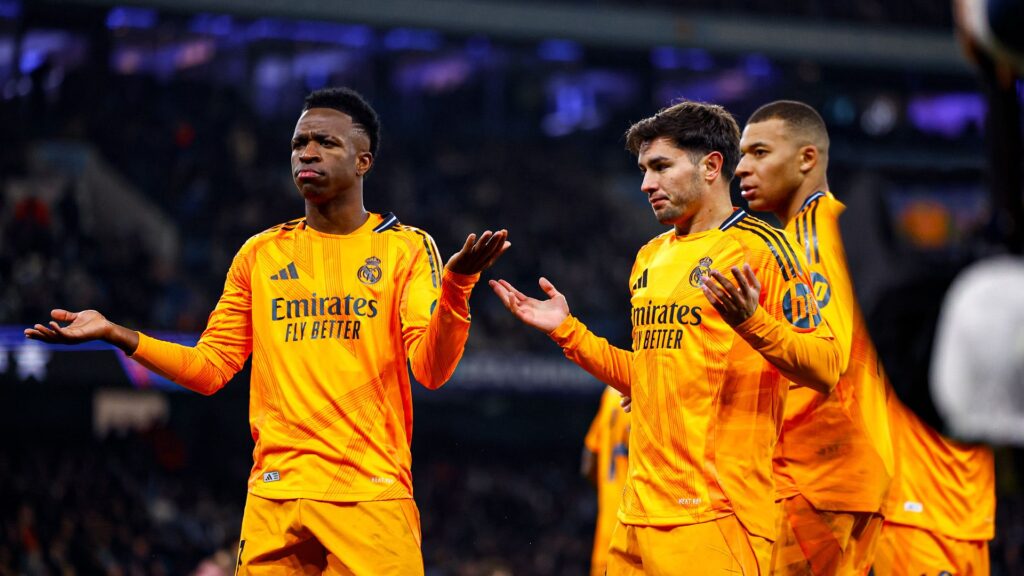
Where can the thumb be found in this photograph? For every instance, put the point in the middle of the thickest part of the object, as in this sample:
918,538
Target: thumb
61,315
548,287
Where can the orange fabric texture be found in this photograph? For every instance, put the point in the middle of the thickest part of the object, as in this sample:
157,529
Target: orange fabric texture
836,450
608,439
302,536
707,405
941,486
332,322
911,551
812,541
721,546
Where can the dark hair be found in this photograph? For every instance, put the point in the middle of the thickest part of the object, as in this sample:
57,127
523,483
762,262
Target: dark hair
350,102
798,116
697,127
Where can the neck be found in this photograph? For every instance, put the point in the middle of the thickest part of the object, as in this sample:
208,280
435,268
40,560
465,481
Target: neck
343,215
710,215
787,211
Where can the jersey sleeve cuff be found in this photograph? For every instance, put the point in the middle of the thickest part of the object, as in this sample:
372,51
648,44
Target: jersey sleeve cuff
754,328
142,348
564,332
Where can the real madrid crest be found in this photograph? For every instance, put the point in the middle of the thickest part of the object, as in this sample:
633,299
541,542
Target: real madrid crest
370,272
703,269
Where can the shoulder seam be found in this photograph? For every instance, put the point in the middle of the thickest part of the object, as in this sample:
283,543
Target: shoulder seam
789,266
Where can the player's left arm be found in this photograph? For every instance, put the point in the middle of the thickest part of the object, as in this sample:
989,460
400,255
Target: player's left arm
435,304
806,357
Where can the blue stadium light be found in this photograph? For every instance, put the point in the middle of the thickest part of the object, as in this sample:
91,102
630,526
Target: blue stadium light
671,58
124,17
560,51
268,29
212,24
412,39
31,59
10,9
479,47
948,115
757,66
330,33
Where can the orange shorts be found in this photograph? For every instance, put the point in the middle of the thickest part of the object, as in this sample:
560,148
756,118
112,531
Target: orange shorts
721,546
823,542
907,550
347,538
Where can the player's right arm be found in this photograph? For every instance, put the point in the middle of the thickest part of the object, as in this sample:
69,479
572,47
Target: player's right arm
205,368
607,363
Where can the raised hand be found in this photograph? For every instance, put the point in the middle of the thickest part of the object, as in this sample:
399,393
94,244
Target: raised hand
82,327
735,302
545,315
478,254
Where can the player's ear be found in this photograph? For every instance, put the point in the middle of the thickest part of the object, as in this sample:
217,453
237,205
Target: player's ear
809,158
711,165
364,161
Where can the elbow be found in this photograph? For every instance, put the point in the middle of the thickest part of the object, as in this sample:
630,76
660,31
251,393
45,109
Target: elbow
829,374
432,384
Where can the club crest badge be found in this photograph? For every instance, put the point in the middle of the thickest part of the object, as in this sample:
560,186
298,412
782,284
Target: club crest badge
702,270
370,272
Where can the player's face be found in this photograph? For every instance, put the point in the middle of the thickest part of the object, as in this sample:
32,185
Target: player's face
329,154
769,168
672,181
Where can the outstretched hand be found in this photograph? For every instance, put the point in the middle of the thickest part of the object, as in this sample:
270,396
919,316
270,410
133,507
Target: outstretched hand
544,315
735,302
83,326
478,254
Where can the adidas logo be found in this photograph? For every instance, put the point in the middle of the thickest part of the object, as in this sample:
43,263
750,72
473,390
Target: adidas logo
287,273
641,282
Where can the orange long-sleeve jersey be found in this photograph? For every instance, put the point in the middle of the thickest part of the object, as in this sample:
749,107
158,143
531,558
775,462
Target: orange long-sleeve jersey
608,438
707,404
332,323
836,450
940,485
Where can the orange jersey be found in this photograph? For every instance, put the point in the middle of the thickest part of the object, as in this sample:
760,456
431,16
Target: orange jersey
608,438
331,322
835,450
707,405
940,485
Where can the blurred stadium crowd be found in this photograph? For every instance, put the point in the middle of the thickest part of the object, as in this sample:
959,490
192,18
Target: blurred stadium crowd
213,165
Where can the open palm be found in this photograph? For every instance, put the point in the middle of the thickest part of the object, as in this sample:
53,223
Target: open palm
84,326
544,315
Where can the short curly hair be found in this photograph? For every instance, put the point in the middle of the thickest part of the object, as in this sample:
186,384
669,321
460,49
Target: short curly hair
350,102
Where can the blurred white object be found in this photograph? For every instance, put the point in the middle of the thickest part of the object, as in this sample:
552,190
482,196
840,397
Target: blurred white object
977,368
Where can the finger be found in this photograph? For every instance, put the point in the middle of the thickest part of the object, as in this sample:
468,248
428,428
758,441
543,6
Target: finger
62,315
468,245
60,330
714,298
730,292
489,252
745,290
45,332
548,287
716,283
519,295
484,239
498,289
751,277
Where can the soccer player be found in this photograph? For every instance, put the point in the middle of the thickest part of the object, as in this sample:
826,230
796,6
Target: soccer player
940,514
708,383
605,461
333,307
834,461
